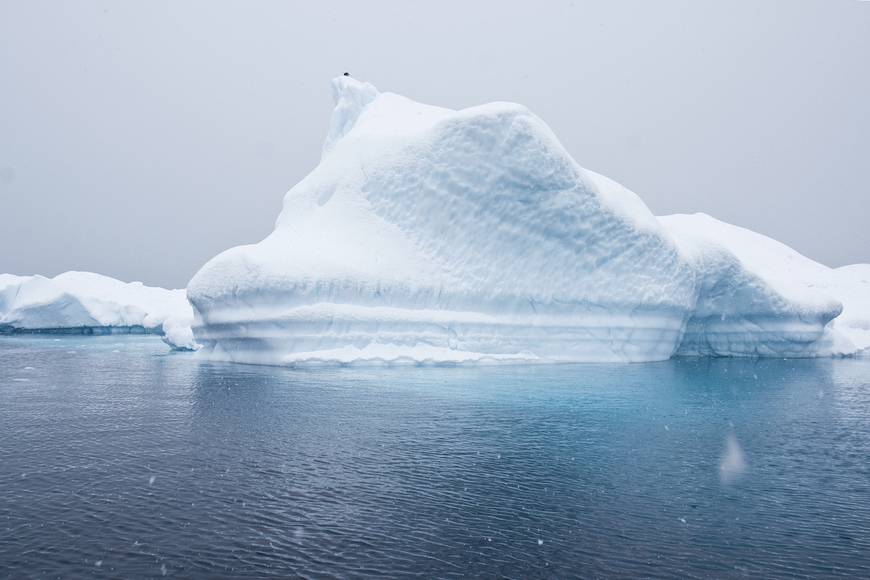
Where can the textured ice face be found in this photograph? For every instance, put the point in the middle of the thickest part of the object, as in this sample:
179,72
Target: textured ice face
427,234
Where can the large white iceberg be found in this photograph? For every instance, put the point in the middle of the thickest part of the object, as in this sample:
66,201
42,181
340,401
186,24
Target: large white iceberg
88,303
432,235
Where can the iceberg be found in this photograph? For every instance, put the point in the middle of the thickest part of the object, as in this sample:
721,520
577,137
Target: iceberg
429,235
88,303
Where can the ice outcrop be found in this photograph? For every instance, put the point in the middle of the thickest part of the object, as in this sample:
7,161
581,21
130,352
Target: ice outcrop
177,331
760,297
851,284
432,235
88,303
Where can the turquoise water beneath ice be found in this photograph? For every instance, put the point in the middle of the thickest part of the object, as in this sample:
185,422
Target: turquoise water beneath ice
118,459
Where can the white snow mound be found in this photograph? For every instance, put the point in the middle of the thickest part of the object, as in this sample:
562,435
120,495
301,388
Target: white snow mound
437,236
93,304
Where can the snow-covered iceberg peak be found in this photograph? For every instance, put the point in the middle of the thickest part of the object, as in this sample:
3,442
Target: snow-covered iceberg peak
351,97
429,234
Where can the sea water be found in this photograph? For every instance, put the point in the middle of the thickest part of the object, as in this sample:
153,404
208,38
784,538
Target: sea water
119,459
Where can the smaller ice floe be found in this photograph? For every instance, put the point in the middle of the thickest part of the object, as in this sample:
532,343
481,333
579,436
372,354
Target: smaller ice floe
733,463
178,334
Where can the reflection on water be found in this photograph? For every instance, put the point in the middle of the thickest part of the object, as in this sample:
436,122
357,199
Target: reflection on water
117,459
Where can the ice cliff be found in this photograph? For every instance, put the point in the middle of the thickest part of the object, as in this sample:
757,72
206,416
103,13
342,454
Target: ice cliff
432,235
87,303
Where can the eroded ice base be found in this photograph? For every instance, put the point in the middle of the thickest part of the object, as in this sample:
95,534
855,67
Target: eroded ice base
761,336
341,333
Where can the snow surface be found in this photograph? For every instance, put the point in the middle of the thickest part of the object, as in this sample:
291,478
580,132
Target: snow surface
93,303
427,235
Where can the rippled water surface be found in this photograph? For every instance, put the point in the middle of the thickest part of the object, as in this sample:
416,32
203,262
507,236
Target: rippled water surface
120,460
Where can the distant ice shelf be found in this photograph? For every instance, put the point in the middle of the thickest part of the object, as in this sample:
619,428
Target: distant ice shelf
88,303
428,235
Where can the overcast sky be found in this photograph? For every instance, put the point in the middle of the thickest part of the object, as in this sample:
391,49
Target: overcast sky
139,139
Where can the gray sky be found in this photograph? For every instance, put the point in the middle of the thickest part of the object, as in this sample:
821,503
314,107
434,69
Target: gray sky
139,139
